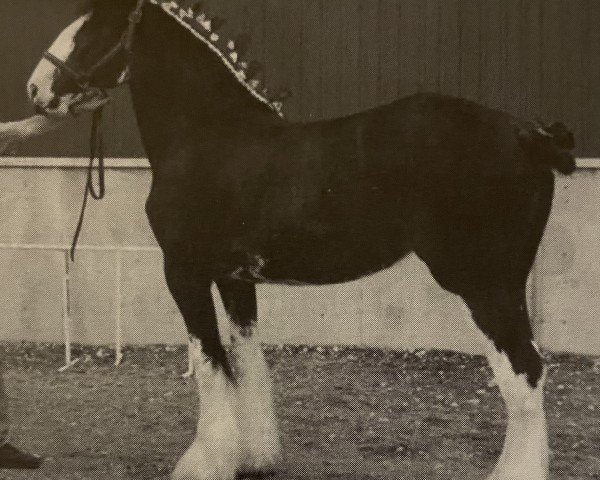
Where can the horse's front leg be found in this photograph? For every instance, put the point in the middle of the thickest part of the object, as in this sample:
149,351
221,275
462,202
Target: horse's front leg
215,453
260,444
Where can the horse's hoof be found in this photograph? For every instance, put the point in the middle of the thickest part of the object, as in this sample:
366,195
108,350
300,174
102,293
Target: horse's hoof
199,463
251,474
515,474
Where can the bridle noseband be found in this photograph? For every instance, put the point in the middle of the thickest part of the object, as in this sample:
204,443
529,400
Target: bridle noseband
83,81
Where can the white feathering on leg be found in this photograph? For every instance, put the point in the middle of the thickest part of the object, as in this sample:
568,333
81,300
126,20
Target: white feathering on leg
525,453
260,444
215,452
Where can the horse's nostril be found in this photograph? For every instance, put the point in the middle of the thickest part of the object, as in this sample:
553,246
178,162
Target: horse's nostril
33,90
54,103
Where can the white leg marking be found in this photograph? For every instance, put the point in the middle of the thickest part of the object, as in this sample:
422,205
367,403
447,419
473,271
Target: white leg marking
525,452
261,448
215,453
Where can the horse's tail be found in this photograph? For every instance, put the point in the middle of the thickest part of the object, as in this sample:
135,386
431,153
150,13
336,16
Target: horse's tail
550,145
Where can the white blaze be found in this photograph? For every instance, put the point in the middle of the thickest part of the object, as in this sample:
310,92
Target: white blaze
45,72
525,452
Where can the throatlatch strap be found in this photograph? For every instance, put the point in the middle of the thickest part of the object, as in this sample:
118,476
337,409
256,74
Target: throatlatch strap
96,151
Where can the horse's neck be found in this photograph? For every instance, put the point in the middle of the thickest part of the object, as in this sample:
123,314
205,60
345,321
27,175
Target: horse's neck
182,89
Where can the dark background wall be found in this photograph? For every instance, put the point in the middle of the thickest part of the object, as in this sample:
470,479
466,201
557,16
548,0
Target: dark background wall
530,57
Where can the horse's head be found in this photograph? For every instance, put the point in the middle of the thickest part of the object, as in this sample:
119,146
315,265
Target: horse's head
87,57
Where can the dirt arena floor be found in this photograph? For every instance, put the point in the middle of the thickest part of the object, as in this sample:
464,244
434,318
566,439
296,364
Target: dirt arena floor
345,413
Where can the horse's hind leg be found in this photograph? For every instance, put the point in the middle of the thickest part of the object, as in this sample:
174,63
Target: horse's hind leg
515,360
215,452
260,445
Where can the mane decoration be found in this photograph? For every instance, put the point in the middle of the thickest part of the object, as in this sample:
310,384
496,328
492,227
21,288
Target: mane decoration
204,28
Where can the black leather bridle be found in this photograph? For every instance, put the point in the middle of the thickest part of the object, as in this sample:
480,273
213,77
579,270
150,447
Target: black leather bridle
84,81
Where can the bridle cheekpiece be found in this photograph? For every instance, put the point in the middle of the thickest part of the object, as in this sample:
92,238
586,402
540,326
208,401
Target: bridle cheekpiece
84,79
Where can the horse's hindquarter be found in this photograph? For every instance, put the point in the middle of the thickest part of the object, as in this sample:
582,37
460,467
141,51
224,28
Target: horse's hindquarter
483,202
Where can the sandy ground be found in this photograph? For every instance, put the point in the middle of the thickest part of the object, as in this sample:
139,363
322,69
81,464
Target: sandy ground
344,413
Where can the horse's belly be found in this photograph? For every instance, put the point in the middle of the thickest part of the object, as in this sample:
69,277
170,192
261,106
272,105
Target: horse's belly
325,263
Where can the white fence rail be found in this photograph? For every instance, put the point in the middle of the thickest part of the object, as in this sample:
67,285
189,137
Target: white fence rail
117,276
67,321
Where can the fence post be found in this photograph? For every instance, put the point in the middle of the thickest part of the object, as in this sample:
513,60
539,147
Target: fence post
118,323
69,362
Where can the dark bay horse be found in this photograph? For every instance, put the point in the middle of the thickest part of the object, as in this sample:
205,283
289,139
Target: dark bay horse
241,196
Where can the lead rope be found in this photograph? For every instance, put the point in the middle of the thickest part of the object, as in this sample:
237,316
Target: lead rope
96,151
97,141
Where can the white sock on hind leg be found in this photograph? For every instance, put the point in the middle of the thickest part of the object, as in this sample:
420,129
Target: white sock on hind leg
525,455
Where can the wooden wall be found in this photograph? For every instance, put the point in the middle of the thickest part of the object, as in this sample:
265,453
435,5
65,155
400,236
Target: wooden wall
530,57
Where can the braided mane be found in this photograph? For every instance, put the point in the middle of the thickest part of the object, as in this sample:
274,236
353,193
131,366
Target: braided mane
200,26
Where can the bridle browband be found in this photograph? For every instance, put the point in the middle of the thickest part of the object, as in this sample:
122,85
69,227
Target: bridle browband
83,81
